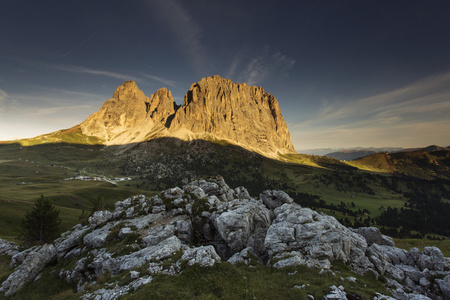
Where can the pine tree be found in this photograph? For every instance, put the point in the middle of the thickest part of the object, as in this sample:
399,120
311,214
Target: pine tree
41,224
99,205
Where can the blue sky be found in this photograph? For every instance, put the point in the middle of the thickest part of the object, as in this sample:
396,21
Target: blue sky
346,73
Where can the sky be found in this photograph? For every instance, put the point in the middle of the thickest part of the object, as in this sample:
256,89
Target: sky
345,73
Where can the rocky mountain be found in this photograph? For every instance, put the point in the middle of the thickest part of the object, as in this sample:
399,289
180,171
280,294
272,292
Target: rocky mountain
213,109
205,223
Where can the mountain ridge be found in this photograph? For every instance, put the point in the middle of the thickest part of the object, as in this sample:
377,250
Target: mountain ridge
213,109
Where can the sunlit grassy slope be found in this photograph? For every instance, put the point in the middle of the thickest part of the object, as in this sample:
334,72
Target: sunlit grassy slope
71,136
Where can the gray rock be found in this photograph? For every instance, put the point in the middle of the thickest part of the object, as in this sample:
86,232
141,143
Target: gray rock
185,230
99,217
8,248
197,191
122,205
157,234
402,295
424,282
33,264
140,281
374,236
130,212
314,235
242,193
377,257
336,293
158,209
379,296
205,256
432,259
97,237
243,225
134,274
142,222
157,201
412,273
444,286
397,256
274,199
18,258
295,258
216,187
246,256
158,252
124,232
69,240
173,193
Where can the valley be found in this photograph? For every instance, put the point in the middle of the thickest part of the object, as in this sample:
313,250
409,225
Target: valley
355,197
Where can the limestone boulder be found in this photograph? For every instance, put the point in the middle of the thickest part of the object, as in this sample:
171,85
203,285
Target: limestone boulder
315,235
33,264
274,199
243,224
205,256
374,236
8,248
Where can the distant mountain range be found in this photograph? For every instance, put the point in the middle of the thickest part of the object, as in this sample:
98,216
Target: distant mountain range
427,163
327,151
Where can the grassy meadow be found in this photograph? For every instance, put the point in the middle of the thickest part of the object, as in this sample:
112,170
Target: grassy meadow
25,175
26,172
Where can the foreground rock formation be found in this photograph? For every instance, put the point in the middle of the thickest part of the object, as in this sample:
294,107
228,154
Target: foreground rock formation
213,109
206,222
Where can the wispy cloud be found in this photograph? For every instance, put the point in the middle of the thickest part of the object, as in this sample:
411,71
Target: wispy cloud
184,28
67,92
78,46
420,100
57,109
165,81
416,113
78,69
265,64
91,71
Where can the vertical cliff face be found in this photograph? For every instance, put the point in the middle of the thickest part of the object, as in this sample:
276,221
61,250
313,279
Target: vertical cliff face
161,106
242,114
213,108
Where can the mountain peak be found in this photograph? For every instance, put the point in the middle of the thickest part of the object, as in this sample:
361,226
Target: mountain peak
213,109
245,115
128,90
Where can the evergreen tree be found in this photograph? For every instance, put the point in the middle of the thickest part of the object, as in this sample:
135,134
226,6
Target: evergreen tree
99,205
41,224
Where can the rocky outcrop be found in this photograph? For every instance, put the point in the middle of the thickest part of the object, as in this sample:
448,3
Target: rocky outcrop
206,222
31,266
242,114
8,248
374,236
301,236
213,109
